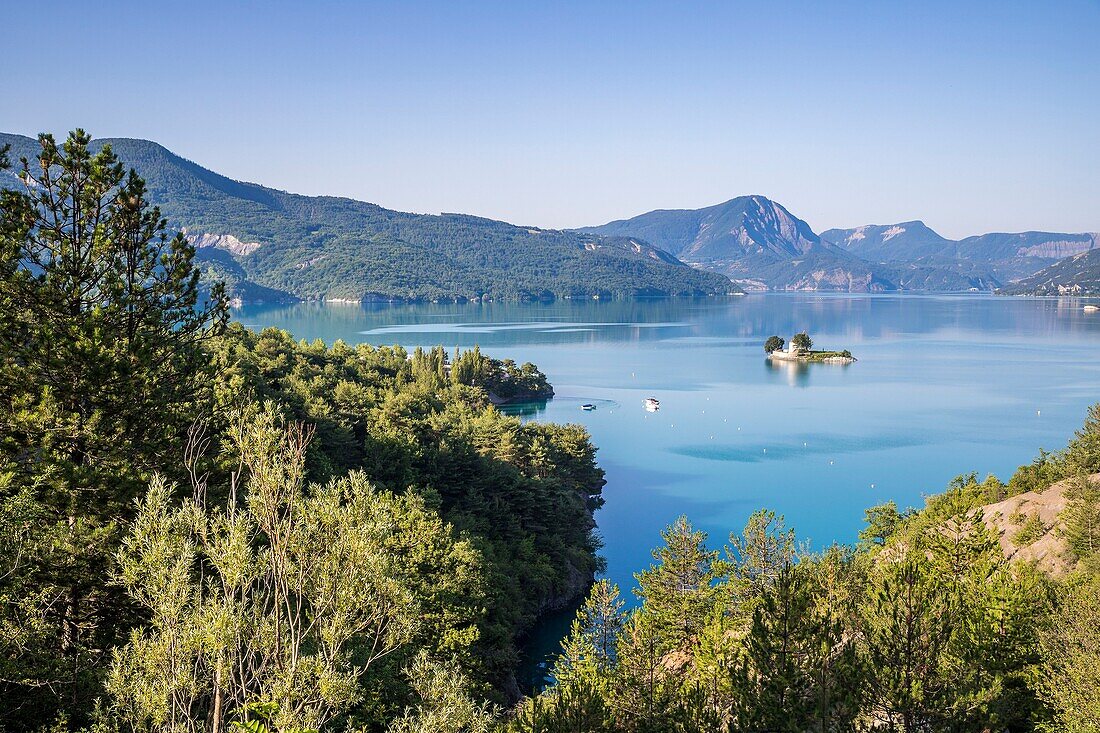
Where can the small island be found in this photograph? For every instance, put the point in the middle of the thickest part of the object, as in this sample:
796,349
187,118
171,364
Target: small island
800,349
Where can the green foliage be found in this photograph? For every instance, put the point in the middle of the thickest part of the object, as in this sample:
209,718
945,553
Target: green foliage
589,651
1081,455
774,343
882,522
1031,529
759,554
1039,475
1070,679
792,660
925,627
291,599
101,371
414,501
907,626
579,699
802,341
503,380
1081,520
678,591
446,700
523,492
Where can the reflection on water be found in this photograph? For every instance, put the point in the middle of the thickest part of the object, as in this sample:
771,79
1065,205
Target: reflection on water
524,409
944,385
797,373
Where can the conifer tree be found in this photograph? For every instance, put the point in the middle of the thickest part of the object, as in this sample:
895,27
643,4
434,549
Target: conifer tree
797,670
906,627
102,372
679,590
1070,675
588,653
1081,519
758,555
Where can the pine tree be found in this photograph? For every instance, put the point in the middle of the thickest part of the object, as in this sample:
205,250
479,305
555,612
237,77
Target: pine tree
757,557
102,372
1083,452
906,627
797,671
882,522
679,591
1081,519
1070,673
588,653
648,686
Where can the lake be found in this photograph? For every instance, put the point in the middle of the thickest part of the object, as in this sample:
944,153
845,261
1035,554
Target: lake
943,385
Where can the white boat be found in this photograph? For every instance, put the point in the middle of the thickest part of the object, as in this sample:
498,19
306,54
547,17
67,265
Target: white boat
652,404
1090,308
587,406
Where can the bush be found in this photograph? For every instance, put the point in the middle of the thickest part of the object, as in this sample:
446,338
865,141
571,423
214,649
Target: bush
1031,530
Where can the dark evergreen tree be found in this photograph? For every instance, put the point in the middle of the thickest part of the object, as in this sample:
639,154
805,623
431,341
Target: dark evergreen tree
906,629
679,590
1082,519
797,670
102,374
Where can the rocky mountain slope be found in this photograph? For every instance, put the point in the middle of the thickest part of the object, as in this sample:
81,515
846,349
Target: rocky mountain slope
904,242
1078,274
1003,257
274,245
761,245
1008,520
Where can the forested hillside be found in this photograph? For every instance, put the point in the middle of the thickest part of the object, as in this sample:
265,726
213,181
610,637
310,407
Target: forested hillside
279,246
208,528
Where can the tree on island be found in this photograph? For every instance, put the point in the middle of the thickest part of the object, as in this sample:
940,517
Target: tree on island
802,341
774,343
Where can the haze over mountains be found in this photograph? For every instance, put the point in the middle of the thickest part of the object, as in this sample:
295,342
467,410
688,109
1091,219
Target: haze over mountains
270,245
761,245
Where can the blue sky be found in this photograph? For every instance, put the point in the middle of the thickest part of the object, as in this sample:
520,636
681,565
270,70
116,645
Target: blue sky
971,116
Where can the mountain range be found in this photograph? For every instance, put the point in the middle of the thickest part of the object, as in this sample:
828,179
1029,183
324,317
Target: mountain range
270,245
1078,274
762,246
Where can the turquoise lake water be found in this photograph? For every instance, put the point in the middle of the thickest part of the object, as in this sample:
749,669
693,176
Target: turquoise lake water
943,385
